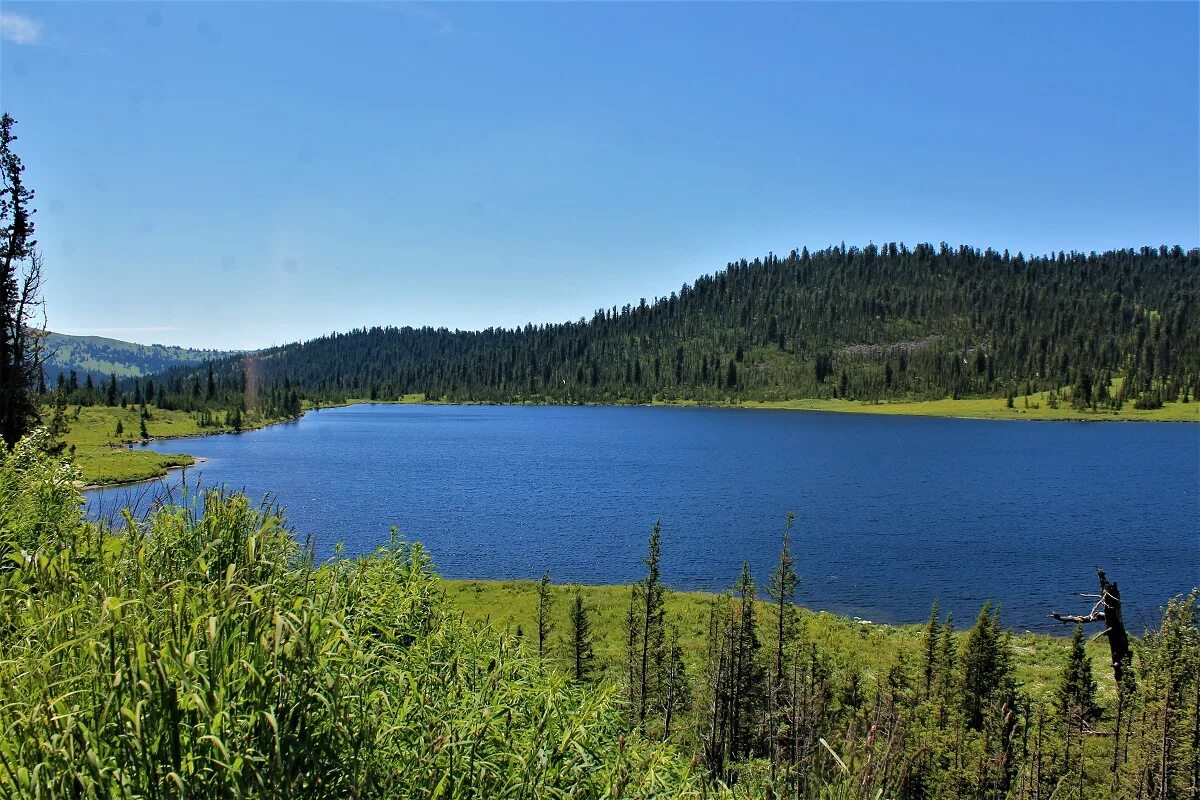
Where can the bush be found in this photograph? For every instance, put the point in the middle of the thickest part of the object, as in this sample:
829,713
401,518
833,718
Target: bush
201,653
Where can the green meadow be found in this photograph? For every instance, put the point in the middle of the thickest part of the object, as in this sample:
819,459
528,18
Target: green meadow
871,647
104,456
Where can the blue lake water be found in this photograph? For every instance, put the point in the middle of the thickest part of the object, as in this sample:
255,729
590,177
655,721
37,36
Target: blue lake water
892,512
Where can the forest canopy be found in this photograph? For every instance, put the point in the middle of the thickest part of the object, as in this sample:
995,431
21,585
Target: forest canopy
883,322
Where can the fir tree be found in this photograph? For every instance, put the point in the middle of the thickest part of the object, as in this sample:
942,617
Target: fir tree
1077,688
545,601
984,666
581,639
651,616
20,286
782,589
929,661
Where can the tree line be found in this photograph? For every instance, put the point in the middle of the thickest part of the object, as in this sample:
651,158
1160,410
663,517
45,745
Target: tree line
883,322
772,710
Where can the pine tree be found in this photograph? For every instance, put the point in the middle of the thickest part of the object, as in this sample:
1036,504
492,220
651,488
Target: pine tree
20,286
1077,687
782,589
545,602
651,615
947,666
581,640
676,684
57,427
929,661
985,666
747,671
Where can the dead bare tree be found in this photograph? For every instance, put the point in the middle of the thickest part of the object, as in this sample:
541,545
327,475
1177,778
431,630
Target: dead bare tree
1107,610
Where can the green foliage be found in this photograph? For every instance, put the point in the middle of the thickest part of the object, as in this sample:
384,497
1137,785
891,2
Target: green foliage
98,357
647,633
843,678
878,323
581,639
782,590
544,626
201,654
20,296
986,665
1077,689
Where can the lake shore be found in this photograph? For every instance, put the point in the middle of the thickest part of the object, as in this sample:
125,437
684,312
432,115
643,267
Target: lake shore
512,604
192,461
124,465
107,458
1032,408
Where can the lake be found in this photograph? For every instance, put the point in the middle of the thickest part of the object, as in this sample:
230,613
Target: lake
891,512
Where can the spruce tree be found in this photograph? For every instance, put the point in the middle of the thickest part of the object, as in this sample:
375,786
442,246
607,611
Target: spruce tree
676,684
985,666
947,668
581,640
544,603
930,656
651,611
782,589
20,299
1077,688
57,427
747,672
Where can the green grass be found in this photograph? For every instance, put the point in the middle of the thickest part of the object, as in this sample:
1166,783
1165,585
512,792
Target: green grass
872,648
203,655
978,408
1033,407
105,458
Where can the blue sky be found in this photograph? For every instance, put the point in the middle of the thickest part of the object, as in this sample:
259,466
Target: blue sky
243,174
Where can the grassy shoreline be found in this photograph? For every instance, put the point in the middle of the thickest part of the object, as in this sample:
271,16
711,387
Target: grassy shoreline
1033,407
876,647
107,458
110,460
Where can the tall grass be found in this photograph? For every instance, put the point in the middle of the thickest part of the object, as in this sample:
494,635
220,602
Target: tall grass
203,654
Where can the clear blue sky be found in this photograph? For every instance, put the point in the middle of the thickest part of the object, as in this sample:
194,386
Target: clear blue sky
242,174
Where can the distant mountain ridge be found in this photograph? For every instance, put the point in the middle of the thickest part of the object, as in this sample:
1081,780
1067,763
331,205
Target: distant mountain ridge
101,357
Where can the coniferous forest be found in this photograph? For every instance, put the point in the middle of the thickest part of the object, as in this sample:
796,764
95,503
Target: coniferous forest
873,323
167,636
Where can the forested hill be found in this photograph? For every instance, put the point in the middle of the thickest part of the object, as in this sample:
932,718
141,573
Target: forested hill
99,357
869,323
